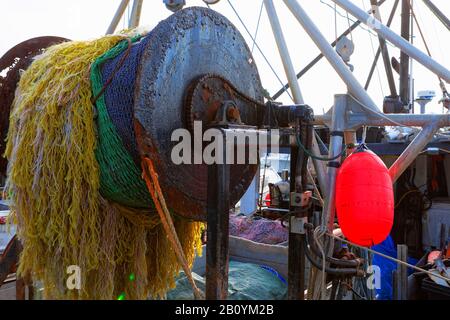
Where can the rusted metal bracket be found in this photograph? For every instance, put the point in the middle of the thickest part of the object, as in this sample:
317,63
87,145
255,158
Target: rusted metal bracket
9,258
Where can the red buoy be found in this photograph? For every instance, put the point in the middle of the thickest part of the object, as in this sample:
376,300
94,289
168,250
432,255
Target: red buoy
364,198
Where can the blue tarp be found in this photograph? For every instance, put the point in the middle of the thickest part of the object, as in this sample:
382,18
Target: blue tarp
387,266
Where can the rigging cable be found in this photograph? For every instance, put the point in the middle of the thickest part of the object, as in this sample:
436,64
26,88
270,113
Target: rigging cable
441,83
257,25
355,21
374,54
259,49
388,257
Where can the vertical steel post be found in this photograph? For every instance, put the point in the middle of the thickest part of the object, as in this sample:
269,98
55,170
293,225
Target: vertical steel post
336,141
404,58
296,256
402,272
218,210
296,260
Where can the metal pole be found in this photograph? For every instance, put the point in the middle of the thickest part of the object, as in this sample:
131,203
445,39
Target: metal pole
374,64
438,13
336,140
320,56
335,60
283,50
293,83
355,120
412,151
218,209
395,39
118,15
404,58
296,255
296,258
385,52
402,254
135,14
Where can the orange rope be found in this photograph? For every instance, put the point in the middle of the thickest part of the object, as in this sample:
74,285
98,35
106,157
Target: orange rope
151,179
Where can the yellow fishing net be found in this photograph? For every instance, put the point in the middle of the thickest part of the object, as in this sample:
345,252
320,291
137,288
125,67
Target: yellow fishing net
53,184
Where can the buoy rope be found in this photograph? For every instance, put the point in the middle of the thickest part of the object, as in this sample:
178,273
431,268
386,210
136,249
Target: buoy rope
151,179
389,257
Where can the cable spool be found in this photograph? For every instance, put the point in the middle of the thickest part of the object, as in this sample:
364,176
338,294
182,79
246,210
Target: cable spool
364,198
147,91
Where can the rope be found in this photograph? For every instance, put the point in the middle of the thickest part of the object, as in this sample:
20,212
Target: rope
316,190
151,179
389,257
55,145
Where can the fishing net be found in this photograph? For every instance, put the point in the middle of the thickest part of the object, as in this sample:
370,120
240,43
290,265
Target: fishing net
117,151
60,149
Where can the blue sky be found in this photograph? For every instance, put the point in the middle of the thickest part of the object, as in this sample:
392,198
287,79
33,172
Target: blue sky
87,19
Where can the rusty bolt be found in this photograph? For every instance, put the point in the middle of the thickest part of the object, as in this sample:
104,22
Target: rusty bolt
233,113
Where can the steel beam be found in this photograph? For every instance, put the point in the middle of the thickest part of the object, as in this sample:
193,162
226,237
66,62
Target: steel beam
335,60
404,58
283,50
357,119
117,16
413,150
377,55
217,248
395,39
384,52
438,13
135,14
320,56
293,83
336,142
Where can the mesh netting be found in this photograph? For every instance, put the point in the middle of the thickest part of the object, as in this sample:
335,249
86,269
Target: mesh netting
120,176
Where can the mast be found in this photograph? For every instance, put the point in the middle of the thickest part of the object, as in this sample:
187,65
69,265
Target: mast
404,58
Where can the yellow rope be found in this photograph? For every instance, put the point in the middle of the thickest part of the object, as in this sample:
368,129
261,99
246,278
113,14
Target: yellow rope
53,183
151,179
